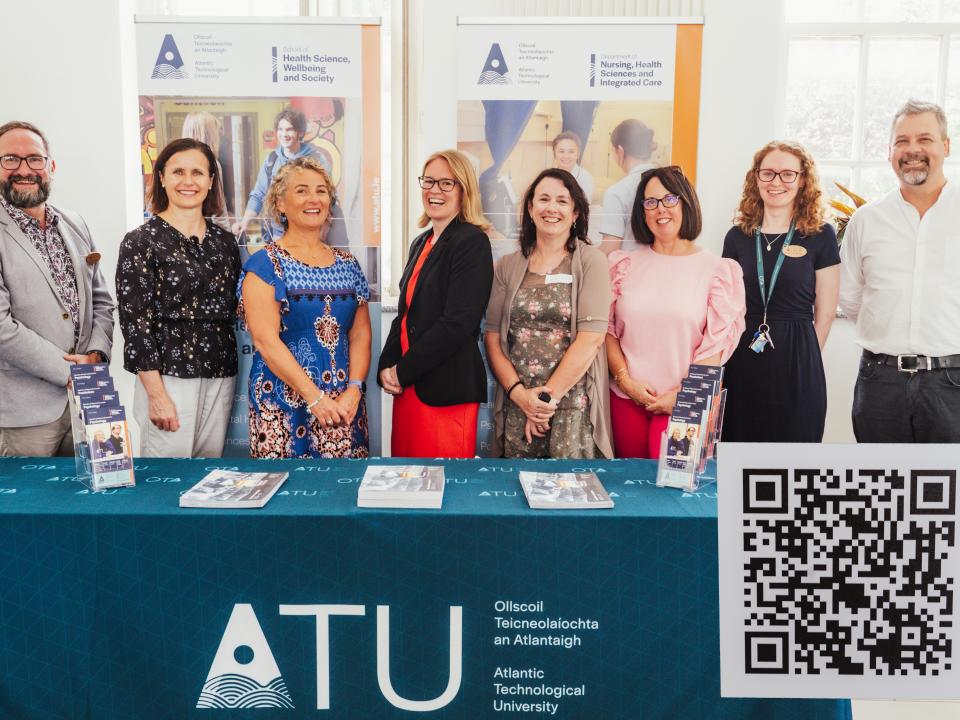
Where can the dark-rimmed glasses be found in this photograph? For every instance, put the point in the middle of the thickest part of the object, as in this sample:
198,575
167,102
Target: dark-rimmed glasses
787,176
446,184
13,162
669,200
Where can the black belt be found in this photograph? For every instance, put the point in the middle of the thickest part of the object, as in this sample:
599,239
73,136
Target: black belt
910,363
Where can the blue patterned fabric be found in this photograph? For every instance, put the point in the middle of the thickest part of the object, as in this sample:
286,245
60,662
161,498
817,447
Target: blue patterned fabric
317,308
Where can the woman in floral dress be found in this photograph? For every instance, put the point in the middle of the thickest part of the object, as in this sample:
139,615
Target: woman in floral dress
545,329
305,305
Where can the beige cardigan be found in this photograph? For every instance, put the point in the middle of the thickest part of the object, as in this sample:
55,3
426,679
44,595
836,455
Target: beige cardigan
590,309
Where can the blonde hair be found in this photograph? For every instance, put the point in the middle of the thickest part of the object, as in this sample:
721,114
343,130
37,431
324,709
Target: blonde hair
281,179
202,126
808,210
471,209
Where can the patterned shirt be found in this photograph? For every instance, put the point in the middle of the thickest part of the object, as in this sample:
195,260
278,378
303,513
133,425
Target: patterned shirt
49,244
176,301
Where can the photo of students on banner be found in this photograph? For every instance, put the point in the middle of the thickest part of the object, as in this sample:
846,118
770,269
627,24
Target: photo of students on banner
252,139
511,141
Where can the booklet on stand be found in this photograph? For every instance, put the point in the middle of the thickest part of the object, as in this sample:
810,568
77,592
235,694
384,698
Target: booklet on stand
564,491
231,489
693,429
100,436
402,486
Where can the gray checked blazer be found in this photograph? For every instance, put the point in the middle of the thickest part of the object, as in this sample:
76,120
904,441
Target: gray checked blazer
36,330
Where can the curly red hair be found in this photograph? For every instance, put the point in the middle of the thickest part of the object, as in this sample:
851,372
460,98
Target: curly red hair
808,209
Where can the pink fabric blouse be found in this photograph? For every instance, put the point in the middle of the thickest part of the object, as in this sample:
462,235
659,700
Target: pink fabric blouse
670,311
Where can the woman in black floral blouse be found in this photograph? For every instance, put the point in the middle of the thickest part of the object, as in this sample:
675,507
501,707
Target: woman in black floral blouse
176,280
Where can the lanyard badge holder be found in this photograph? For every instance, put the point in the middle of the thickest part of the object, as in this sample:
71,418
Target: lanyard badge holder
762,337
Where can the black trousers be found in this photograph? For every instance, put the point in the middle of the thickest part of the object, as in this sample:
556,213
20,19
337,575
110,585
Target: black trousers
890,406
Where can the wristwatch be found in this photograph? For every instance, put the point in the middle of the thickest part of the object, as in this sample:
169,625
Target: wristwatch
360,384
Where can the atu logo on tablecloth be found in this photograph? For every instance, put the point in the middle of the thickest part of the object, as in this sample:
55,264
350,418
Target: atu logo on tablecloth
244,672
169,63
495,70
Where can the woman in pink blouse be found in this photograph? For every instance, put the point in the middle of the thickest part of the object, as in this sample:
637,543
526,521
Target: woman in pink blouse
674,304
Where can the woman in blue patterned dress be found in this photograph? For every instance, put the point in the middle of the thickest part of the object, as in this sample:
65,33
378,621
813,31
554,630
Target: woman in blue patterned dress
305,305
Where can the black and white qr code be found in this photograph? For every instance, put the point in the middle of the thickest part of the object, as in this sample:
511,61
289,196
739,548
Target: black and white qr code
849,572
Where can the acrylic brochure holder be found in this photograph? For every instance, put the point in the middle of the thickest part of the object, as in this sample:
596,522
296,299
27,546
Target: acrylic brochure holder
101,439
687,446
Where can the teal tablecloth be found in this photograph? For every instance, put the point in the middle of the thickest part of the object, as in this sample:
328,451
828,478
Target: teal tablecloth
113,605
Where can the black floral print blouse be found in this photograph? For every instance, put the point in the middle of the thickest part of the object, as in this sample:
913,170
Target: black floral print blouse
177,301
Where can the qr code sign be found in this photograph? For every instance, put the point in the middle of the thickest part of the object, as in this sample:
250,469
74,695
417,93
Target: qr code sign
847,572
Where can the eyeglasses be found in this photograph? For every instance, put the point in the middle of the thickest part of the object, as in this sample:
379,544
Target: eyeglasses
787,176
13,162
669,200
446,184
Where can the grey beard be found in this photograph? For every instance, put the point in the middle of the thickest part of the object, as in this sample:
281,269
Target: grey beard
25,199
915,177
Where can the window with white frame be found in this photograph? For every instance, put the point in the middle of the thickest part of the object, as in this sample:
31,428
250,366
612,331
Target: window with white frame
850,64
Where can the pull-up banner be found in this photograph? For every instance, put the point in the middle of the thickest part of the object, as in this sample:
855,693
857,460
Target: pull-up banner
226,82
604,98
601,97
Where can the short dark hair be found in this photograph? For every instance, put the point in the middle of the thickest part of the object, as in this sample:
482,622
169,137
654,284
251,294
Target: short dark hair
528,231
295,118
23,125
634,137
675,182
157,200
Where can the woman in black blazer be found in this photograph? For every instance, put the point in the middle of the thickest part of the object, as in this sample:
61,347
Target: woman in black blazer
431,361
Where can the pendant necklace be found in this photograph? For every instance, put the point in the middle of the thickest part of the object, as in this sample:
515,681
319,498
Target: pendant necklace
771,242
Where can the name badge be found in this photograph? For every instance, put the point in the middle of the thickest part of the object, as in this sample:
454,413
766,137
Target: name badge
795,251
559,278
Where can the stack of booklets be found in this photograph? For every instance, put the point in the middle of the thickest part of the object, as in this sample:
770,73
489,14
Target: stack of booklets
694,427
402,486
564,491
232,489
100,436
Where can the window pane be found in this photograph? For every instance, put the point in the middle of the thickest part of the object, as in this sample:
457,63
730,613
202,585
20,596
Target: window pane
820,10
875,182
951,10
952,103
830,174
821,79
899,11
898,69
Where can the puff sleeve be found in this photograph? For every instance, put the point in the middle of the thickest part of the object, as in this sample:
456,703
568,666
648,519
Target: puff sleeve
726,307
619,261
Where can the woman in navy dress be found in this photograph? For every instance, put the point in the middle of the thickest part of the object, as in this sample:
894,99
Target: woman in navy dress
779,393
305,305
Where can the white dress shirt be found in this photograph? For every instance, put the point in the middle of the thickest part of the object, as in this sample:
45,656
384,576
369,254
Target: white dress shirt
900,275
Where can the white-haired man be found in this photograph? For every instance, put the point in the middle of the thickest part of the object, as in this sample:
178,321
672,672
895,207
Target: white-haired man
900,282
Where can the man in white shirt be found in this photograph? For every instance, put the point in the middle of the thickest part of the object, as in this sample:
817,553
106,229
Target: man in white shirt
900,282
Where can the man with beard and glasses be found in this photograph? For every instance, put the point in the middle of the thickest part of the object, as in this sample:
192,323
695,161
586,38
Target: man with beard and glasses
55,309
900,283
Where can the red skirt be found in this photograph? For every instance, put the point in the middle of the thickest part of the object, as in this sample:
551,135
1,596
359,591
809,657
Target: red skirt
421,430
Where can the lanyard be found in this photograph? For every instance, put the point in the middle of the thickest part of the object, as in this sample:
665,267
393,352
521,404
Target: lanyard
764,295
